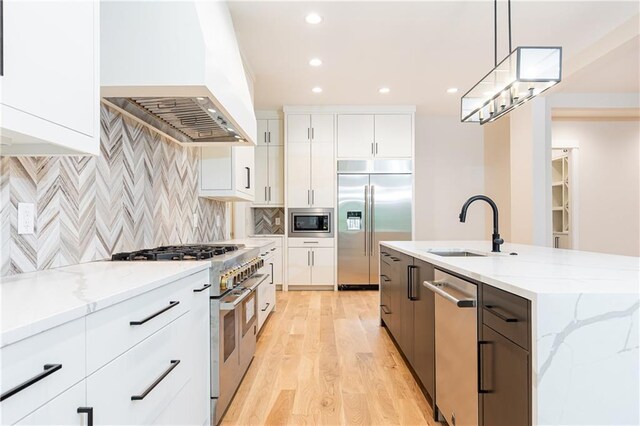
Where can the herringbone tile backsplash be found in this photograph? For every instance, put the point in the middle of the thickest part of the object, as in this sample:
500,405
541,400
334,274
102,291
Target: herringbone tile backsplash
140,192
264,220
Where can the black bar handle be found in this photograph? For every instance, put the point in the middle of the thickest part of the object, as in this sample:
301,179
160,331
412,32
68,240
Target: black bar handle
408,283
480,369
174,364
271,273
198,290
386,311
48,370
411,270
172,304
266,307
504,318
89,412
248,178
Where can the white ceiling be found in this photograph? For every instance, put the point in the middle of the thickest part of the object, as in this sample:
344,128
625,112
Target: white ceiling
418,49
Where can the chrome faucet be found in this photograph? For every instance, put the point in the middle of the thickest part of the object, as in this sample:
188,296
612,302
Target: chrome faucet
495,238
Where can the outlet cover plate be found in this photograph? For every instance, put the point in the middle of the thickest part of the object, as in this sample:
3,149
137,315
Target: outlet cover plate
26,218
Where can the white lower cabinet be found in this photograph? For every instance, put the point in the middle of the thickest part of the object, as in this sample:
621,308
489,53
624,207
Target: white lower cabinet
311,266
277,267
63,409
158,371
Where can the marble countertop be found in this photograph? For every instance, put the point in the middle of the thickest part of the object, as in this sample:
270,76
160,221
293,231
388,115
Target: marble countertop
37,301
534,270
249,242
266,236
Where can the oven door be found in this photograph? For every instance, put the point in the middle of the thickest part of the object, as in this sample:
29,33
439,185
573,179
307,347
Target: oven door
229,358
249,330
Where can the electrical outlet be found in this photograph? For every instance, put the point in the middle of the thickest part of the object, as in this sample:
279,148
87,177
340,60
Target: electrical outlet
218,221
26,218
195,220
278,221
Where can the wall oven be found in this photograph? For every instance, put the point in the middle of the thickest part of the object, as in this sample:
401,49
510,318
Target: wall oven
311,223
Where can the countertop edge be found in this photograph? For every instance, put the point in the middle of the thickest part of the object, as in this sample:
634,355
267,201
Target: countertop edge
15,335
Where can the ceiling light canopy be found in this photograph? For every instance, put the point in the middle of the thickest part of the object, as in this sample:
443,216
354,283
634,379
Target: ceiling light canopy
384,90
313,18
452,90
525,73
317,90
315,62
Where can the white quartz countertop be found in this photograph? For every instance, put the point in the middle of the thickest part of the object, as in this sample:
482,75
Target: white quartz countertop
249,242
37,301
534,270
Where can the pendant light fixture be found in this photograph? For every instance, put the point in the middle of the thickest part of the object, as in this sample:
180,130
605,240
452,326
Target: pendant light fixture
525,73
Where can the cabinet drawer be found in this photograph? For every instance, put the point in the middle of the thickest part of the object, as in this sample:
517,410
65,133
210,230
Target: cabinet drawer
310,242
266,301
122,391
507,314
58,352
62,410
110,332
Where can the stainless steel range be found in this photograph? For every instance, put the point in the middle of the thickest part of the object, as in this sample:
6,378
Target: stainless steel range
233,310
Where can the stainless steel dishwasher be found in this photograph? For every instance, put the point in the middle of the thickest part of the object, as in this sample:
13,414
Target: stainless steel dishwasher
456,354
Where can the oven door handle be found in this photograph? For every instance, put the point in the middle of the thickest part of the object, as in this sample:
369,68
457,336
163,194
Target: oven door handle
230,306
262,278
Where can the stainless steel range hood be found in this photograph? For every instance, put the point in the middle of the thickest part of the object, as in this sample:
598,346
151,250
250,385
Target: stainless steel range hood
176,67
187,120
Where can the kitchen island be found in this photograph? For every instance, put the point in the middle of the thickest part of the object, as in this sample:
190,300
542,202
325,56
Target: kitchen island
581,316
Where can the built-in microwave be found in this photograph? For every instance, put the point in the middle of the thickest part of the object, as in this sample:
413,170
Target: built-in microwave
311,223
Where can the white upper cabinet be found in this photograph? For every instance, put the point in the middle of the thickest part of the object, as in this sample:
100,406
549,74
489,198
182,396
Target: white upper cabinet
269,159
393,135
310,160
375,135
227,173
50,85
355,136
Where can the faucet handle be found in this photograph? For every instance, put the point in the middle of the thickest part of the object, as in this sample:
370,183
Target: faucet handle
498,241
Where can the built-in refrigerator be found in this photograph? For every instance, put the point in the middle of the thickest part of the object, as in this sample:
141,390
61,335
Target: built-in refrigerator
374,204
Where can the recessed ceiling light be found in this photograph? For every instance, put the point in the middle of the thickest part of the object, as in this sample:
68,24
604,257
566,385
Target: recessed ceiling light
315,62
313,18
317,90
452,90
212,110
384,90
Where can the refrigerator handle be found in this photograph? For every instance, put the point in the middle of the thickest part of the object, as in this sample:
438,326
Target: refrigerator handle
366,209
372,231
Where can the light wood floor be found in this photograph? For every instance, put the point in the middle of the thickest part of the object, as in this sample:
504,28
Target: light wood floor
323,359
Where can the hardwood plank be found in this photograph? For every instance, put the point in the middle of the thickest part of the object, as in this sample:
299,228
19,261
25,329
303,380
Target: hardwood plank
323,359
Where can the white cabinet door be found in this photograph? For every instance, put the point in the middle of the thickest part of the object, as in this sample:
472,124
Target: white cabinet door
263,132
298,128
244,169
322,269
277,265
393,135
49,61
276,174
62,410
355,136
299,266
299,174
275,132
322,128
322,174
262,174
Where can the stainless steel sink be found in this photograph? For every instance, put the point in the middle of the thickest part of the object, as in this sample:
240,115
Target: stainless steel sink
456,253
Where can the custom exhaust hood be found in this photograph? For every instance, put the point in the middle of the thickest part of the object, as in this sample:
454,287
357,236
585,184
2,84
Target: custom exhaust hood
176,67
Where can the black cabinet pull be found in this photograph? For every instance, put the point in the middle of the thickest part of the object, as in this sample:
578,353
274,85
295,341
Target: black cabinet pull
89,412
410,271
248,178
198,290
504,318
271,273
172,304
386,311
480,370
174,364
48,370
266,307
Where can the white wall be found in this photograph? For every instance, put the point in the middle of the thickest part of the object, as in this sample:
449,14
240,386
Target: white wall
449,168
609,183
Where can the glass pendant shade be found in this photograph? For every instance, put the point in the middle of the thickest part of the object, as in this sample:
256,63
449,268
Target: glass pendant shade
524,74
